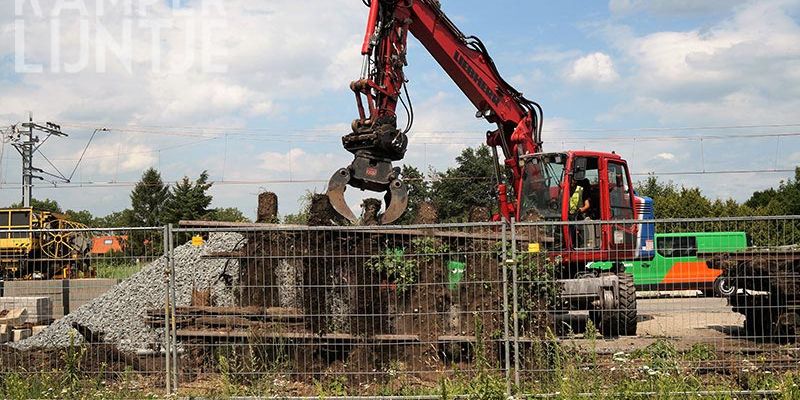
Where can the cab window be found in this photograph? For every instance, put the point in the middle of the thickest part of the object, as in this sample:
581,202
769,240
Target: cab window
591,184
672,247
619,192
20,219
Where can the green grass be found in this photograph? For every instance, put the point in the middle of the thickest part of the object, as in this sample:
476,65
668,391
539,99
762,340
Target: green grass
116,270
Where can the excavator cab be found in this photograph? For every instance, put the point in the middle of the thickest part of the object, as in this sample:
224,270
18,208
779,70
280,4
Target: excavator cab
549,181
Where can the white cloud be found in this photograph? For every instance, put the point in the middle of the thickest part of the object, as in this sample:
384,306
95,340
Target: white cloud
670,7
592,68
740,70
665,156
275,55
298,164
245,61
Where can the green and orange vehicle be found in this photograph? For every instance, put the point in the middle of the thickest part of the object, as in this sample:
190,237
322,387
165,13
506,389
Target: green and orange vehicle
673,262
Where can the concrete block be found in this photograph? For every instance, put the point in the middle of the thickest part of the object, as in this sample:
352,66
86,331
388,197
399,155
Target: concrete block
82,291
39,309
13,316
38,328
4,329
55,290
65,295
20,334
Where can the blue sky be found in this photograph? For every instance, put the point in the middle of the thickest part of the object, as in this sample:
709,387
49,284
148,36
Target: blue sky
256,92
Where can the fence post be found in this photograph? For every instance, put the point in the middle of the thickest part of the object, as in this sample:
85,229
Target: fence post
167,338
514,297
172,294
506,314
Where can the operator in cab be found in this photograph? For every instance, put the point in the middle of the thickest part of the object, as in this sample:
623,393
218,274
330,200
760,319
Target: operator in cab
579,203
579,206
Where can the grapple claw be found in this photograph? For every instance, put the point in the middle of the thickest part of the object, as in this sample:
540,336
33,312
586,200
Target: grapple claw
369,174
396,202
336,187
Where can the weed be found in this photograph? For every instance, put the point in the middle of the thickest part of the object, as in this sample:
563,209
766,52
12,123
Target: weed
487,385
537,293
661,357
701,352
225,373
334,386
429,247
72,357
399,269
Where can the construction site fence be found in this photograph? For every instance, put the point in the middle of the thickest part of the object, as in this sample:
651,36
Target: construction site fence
423,311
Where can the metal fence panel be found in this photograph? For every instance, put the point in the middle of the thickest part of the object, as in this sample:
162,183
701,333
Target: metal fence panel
715,305
486,310
366,310
73,301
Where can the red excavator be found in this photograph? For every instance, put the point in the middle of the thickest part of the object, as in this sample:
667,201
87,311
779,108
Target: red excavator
540,184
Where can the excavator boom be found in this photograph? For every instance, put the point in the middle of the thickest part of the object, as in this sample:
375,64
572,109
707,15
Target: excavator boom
376,141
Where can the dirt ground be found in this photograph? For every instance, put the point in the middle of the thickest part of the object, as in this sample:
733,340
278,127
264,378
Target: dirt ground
687,320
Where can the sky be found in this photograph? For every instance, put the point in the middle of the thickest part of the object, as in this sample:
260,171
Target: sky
256,92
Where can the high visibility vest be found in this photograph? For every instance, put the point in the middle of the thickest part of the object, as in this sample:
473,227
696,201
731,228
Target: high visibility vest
575,200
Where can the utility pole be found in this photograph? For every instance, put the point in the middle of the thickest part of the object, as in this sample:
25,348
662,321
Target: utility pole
27,143
25,149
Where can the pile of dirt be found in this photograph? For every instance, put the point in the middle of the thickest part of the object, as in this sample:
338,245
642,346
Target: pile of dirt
480,214
426,214
371,208
322,213
370,283
267,211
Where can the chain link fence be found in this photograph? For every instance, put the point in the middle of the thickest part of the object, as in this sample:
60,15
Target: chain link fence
657,307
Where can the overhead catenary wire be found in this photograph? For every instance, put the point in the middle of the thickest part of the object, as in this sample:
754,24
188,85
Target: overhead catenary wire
464,142
468,138
77,164
231,129
202,134
16,185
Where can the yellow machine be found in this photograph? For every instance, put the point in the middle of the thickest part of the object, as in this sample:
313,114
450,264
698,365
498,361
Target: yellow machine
41,245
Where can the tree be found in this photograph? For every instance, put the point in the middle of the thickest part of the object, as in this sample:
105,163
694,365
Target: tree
148,199
469,184
761,198
301,216
418,191
785,200
42,205
115,219
83,217
231,214
188,200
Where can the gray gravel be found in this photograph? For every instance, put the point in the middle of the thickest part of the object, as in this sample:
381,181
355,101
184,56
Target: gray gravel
119,313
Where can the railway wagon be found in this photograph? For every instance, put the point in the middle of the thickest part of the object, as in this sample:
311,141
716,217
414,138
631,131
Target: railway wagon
41,245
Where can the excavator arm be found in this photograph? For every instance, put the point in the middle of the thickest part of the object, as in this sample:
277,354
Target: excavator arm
376,140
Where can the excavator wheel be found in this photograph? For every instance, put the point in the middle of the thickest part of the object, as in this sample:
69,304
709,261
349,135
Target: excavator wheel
620,320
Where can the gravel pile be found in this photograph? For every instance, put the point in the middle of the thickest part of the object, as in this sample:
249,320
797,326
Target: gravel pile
119,313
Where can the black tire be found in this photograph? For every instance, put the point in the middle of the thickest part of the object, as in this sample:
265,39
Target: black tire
758,325
621,321
723,288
